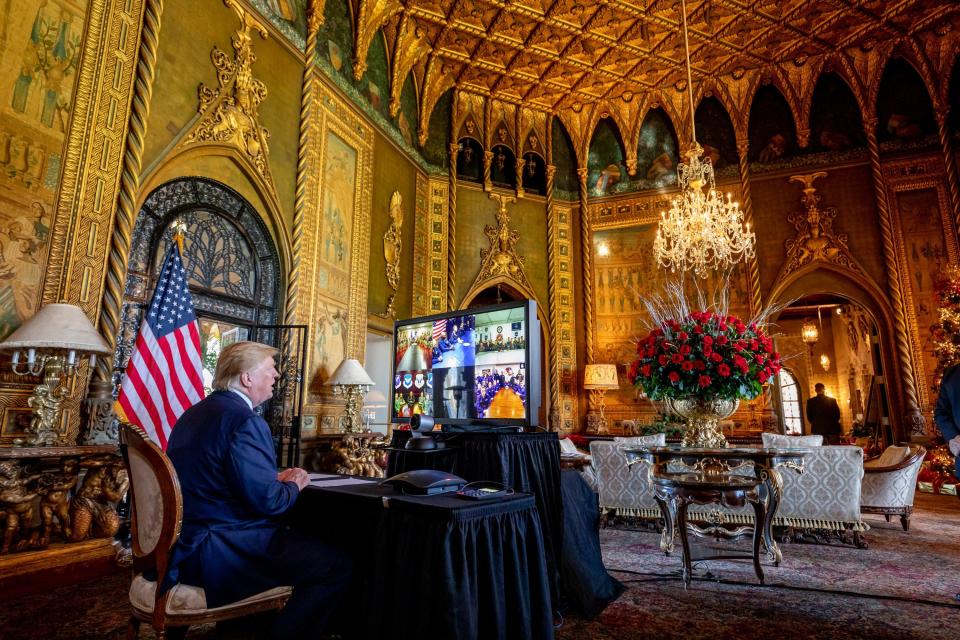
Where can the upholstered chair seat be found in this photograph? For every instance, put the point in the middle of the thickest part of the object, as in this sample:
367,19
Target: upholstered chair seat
187,600
890,482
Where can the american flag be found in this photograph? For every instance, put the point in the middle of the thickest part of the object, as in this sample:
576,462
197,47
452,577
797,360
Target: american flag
163,378
439,328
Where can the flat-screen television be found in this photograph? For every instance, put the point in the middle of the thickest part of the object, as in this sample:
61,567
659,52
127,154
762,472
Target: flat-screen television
474,367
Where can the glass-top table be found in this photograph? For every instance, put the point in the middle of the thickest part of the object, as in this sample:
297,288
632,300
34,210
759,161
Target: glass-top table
765,463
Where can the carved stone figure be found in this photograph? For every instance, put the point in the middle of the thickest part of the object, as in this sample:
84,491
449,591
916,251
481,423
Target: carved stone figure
92,511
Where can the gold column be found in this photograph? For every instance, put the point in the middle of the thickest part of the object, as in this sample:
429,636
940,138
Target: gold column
913,416
487,164
950,162
553,272
586,246
519,164
109,322
314,20
454,149
746,205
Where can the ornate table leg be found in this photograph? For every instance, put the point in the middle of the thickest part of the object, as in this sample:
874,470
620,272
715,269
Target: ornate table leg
668,509
760,516
682,526
772,485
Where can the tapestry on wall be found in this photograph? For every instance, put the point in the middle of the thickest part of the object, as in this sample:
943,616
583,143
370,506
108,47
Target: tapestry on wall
39,52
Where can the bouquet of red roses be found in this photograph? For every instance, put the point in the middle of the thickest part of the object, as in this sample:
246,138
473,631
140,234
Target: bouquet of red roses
704,354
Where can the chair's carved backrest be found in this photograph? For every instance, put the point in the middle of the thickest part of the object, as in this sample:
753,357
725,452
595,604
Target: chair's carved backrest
156,499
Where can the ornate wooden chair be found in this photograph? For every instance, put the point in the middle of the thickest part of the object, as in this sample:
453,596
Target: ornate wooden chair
157,514
890,482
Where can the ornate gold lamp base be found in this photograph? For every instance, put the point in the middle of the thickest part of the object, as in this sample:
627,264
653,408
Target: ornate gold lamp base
703,416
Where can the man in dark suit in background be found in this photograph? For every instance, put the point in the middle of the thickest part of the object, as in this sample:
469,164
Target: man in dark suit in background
231,543
823,412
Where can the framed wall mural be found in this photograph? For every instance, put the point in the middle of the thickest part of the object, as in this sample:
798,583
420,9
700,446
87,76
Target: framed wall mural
927,240
39,52
336,246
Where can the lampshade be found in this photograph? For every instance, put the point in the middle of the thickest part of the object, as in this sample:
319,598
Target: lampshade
600,376
350,372
57,326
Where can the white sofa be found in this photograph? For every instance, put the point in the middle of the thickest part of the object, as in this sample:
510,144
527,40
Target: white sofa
825,497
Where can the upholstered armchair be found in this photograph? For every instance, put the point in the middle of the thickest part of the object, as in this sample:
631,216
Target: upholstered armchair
890,482
157,514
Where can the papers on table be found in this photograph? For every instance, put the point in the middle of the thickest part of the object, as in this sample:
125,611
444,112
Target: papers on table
330,480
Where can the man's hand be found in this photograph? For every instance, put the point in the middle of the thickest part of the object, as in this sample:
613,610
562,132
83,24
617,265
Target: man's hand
954,445
296,475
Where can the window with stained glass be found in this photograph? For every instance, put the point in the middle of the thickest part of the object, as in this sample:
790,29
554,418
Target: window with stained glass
790,403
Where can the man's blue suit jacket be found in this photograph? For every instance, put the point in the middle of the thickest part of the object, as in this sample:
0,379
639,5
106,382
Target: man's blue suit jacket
225,460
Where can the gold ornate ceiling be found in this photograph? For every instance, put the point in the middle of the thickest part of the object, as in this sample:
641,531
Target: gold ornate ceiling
543,53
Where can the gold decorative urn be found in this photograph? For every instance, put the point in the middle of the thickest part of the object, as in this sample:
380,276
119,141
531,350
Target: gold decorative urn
703,416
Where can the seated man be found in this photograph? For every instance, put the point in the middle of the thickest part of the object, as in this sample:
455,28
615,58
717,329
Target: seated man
231,543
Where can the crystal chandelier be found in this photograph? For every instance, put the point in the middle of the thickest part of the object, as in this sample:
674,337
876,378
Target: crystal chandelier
703,231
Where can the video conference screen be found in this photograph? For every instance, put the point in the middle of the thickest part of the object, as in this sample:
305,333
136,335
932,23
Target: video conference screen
468,367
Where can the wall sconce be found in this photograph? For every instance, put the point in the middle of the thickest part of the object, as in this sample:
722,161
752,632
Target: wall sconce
599,378
351,381
825,362
51,345
603,250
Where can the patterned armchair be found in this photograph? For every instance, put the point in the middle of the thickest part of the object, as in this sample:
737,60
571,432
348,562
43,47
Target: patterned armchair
890,482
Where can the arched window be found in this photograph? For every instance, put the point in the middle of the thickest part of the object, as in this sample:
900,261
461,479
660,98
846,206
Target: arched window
230,260
790,403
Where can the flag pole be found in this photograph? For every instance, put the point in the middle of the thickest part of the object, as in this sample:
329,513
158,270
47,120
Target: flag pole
178,228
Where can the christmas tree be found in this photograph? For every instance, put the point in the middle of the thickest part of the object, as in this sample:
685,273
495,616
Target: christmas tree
946,331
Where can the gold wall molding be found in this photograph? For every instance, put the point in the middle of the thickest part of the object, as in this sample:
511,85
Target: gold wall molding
306,158
91,172
334,284
411,45
393,241
815,239
229,115
563,352
431,244
901,178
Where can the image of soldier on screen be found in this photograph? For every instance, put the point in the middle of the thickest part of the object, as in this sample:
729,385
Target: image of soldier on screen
501,391
412,393
453,392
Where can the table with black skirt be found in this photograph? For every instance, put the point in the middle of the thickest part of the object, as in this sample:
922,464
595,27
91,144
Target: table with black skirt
528,462
437,566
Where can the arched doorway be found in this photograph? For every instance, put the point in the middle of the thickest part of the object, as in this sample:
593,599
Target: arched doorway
505,292
852,353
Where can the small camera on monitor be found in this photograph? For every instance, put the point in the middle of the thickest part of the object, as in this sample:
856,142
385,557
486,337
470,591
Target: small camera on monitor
420,437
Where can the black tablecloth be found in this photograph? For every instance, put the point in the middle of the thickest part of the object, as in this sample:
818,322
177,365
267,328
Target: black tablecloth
584,581
528,462
440,566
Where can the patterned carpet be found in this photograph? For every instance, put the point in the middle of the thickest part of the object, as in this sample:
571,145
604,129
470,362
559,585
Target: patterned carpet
902,586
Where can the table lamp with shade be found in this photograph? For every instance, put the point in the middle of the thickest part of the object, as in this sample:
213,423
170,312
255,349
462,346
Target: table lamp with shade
599,378
351,381
51,345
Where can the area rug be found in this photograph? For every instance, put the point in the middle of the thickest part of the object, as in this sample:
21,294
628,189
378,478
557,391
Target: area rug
901,586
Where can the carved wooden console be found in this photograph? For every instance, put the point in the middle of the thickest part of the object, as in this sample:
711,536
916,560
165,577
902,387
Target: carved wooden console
66,494
358,454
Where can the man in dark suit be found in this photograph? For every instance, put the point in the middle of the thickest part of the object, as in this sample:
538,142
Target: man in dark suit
231,543
947,413
823,412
